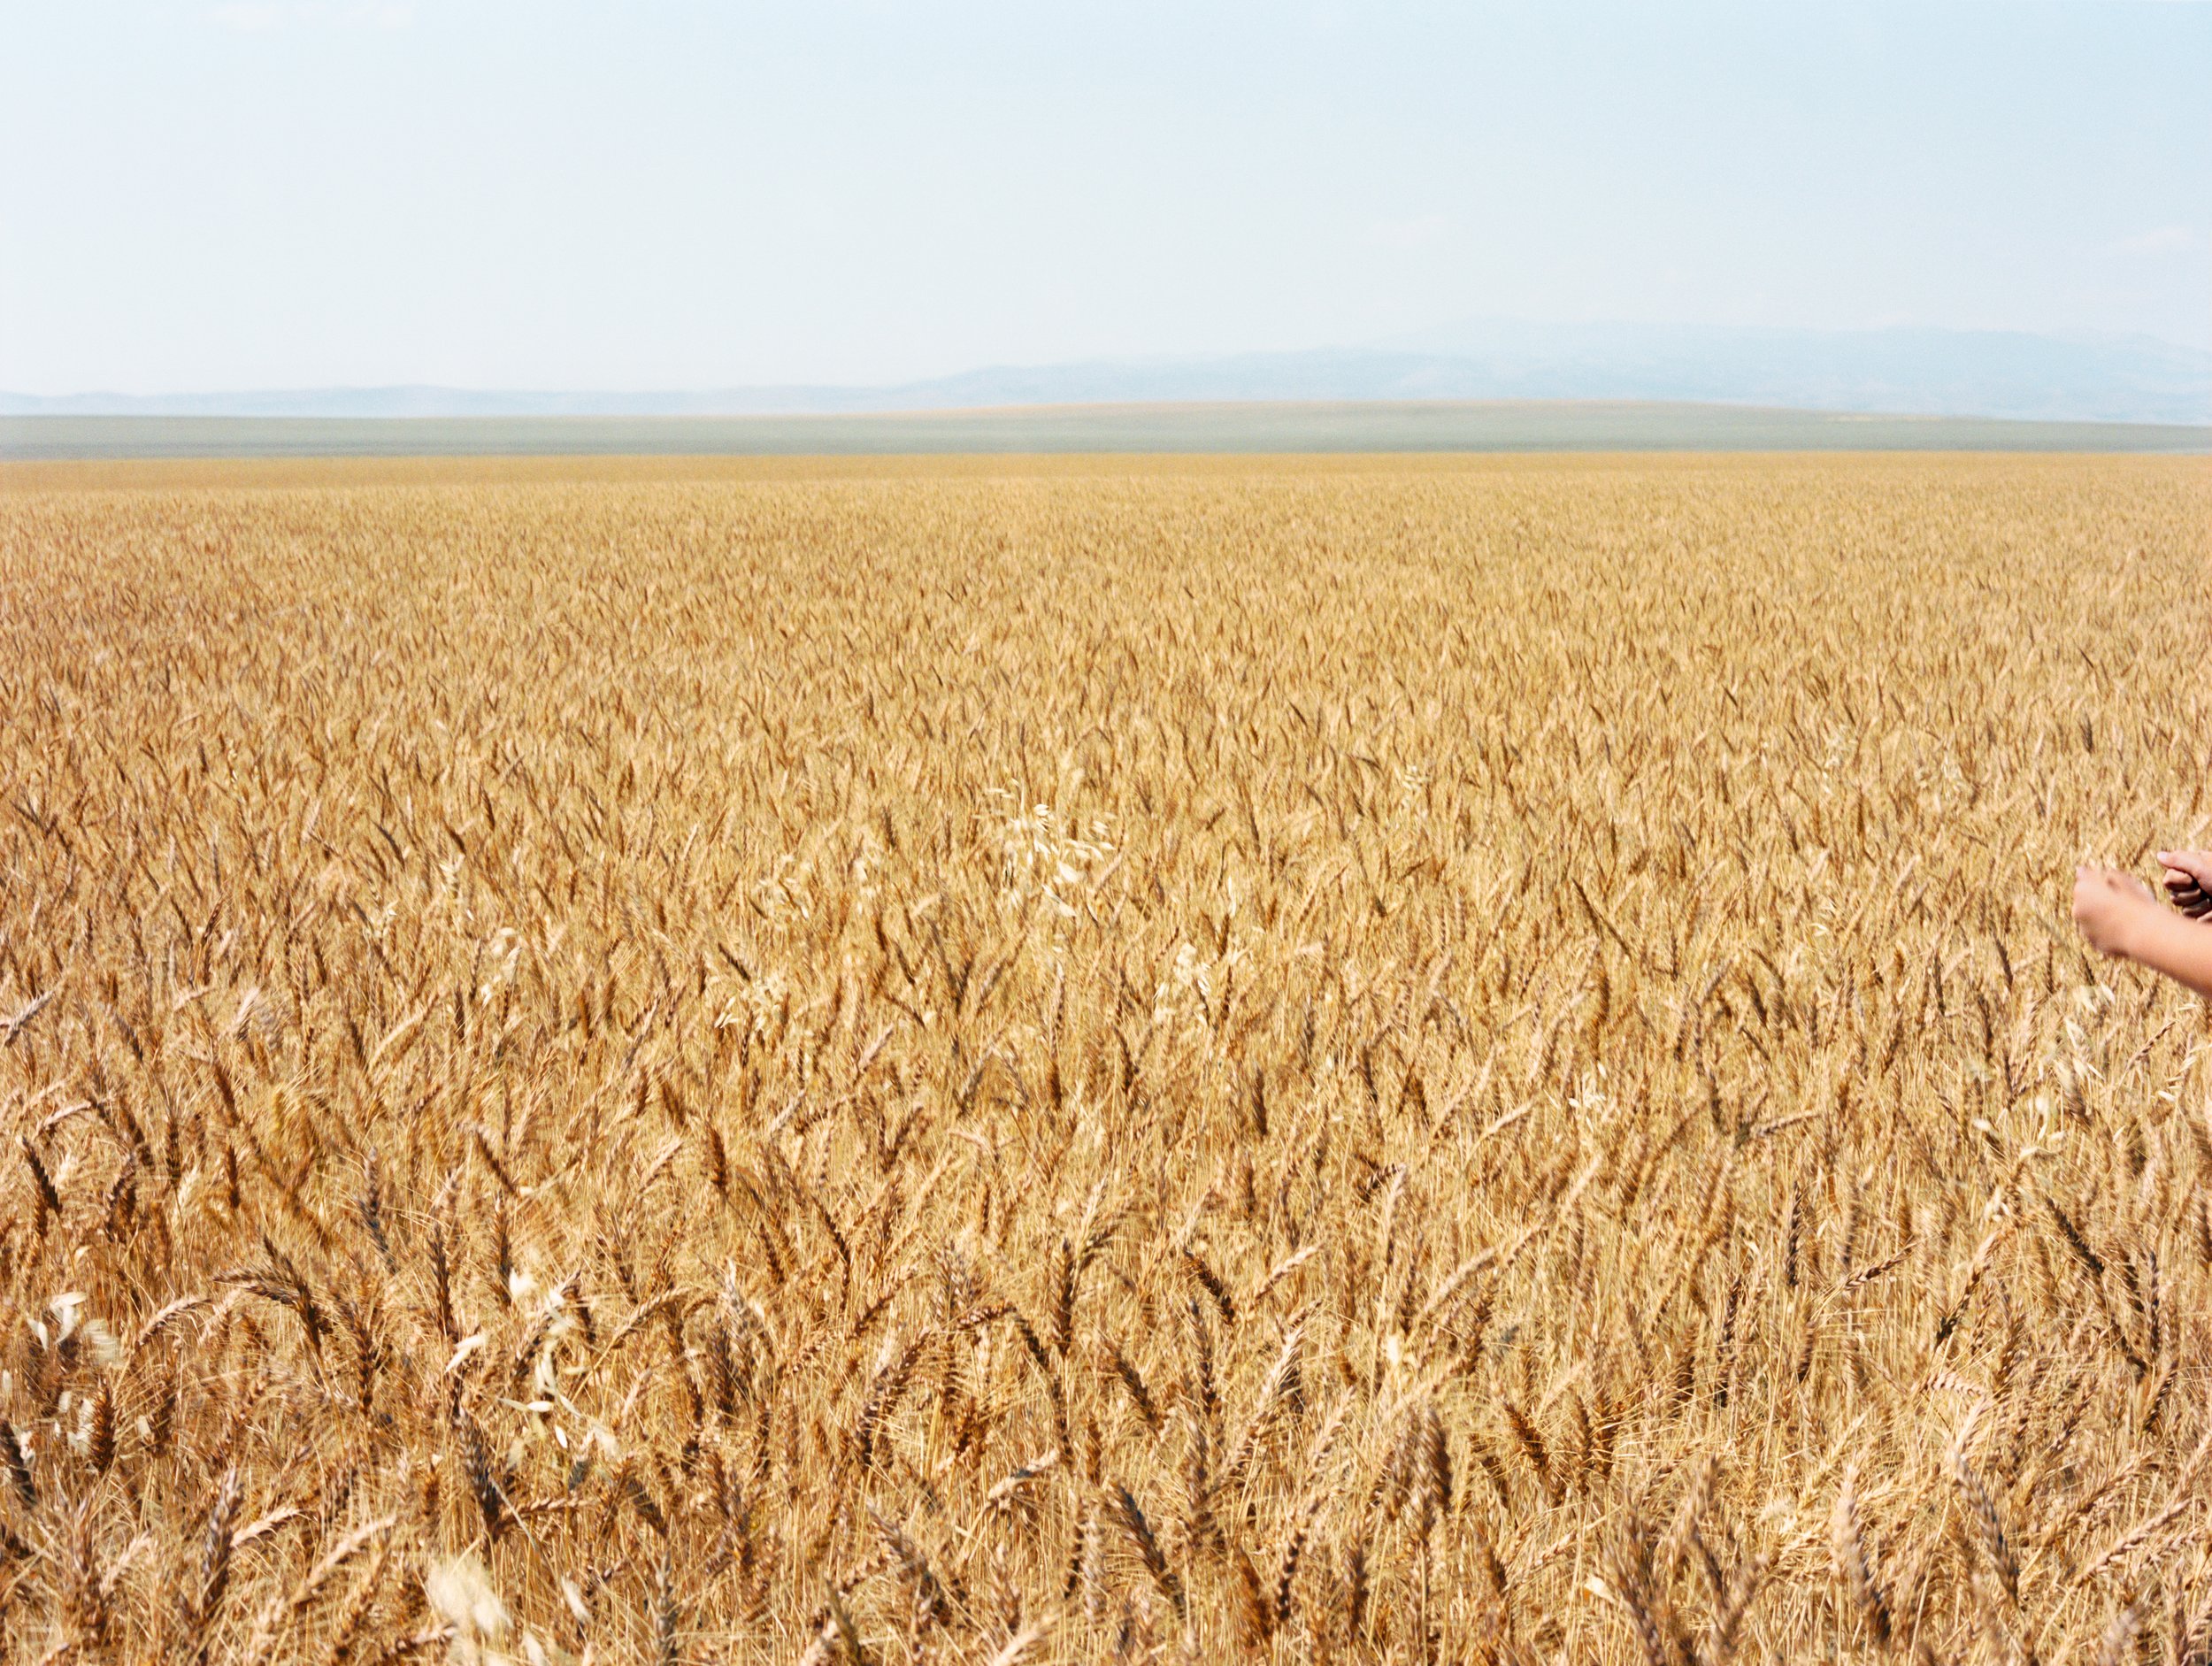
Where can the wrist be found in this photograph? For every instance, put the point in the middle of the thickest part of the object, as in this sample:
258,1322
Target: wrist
2142,927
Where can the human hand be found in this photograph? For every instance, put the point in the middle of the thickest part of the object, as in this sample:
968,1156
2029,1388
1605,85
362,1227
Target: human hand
2189,881
2107,905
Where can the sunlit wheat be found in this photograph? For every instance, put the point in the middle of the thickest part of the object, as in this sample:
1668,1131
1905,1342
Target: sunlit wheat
1412,1061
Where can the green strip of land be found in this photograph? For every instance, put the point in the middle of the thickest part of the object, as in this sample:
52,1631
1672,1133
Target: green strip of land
1231,428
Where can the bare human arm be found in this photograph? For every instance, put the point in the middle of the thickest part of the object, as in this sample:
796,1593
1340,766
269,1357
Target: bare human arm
2121,918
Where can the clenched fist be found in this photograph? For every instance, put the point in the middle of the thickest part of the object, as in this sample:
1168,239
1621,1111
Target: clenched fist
2188,880
2108,906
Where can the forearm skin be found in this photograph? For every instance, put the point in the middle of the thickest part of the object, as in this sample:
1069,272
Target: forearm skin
2168,943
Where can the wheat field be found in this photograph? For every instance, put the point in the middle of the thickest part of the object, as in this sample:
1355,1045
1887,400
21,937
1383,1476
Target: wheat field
1401,1060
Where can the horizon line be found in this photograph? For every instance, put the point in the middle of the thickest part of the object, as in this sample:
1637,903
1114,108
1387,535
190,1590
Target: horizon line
1401,343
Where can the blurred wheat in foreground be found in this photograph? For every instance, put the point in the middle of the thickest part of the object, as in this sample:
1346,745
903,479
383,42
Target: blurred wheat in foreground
1415,1060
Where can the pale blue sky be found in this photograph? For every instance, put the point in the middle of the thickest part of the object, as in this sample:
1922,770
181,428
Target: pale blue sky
663,194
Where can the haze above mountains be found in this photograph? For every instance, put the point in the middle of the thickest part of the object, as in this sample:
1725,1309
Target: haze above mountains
1913,371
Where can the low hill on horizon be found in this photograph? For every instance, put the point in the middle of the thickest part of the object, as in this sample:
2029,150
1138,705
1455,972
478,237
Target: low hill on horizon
1901,371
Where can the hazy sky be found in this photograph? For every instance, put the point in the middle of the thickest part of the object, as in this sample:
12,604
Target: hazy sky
680,193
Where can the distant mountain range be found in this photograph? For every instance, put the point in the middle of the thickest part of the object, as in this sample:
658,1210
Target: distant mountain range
1906,371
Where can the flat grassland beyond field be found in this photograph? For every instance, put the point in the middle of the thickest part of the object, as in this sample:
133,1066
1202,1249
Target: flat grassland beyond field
1404,1060
1271,426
